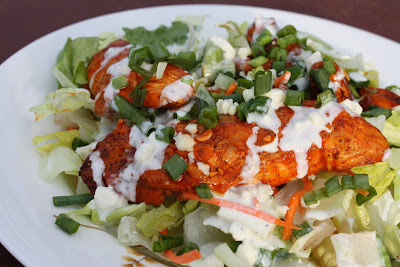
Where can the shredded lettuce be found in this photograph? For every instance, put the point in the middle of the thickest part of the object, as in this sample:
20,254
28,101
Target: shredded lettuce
236,33
380,176
130,235
63,100
391,131
176,34
61,159
63,138
73,59
106,39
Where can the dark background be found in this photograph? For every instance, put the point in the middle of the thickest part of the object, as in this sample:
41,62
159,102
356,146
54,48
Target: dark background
23,21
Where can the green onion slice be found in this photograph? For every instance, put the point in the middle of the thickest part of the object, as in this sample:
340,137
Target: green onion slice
166,243
245,83
158,51
223,81
69,225
377,112
262,82
305,229
332,186
347,182
279,66
294,98
288,29
321,78
165,133
309,198
175,166
264,38
257,50
138,97
119,82
258,61
238,98
295,72
233,245
361,199
324,98
77,142
329,67
203,191
209,117
188,247
72,200
213,54
181,116
203,94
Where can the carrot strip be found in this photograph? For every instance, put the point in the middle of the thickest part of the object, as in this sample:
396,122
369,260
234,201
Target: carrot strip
293,204
164,232
241,208
184,258
283,79
231,88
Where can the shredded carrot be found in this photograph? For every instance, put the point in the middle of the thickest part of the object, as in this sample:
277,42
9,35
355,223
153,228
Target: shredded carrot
362,192
241,208
164,232
283,79
184,258
231,88
293,204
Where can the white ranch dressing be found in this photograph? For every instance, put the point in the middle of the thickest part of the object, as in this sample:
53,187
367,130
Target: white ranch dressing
127,179
337,78
97,167
115,70
262,23
110,53
176,91
303,130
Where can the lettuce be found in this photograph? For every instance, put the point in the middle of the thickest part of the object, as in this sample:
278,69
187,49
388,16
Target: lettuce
236,33
63,138
112,217
130,235
106,39
176,34
157,219
73,59
63,100
391,131
380,176
61,159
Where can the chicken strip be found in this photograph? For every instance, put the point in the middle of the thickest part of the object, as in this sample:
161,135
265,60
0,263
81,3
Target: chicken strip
112,61
381,97
219,157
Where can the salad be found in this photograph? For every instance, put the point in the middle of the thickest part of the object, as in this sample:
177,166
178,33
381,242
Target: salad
265,148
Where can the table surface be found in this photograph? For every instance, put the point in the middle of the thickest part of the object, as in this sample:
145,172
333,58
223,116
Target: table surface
24,21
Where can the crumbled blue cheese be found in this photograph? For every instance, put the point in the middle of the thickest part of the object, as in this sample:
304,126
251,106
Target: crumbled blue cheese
244,52
315,57
184,142
248,94
191,128
144,152
226,106
277,97
205,168
353,106
105,198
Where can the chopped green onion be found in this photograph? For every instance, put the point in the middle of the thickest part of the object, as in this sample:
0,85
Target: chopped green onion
158,51
245,83
181,116
200,104
187,80
129,111
138,97
189,247
377,112
145,78
77,142
354,91
288,29
294,98
358,79
67,224
281,54
233,245
309,198
165,134
295,72
361,182
262,82
160,69
332,186
214,54
324,98
203,191
258,104
361,199
373,107
203,94
278,65
329,67
257,50
187,56
305,229
238,98
166,243
320,194
208,117
258,61
149,113
347,182
175,166
227,73
136,58
321,78
259,68
210,71
280,253
223,81
286,40
119,82
72,200
264,38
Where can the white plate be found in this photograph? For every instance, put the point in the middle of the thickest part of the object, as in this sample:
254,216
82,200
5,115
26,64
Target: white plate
27,226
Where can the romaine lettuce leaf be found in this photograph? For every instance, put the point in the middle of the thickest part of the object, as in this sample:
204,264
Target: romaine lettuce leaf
63,138
380,176
391,131
176,34
73,60
60,159
130,235
63,100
